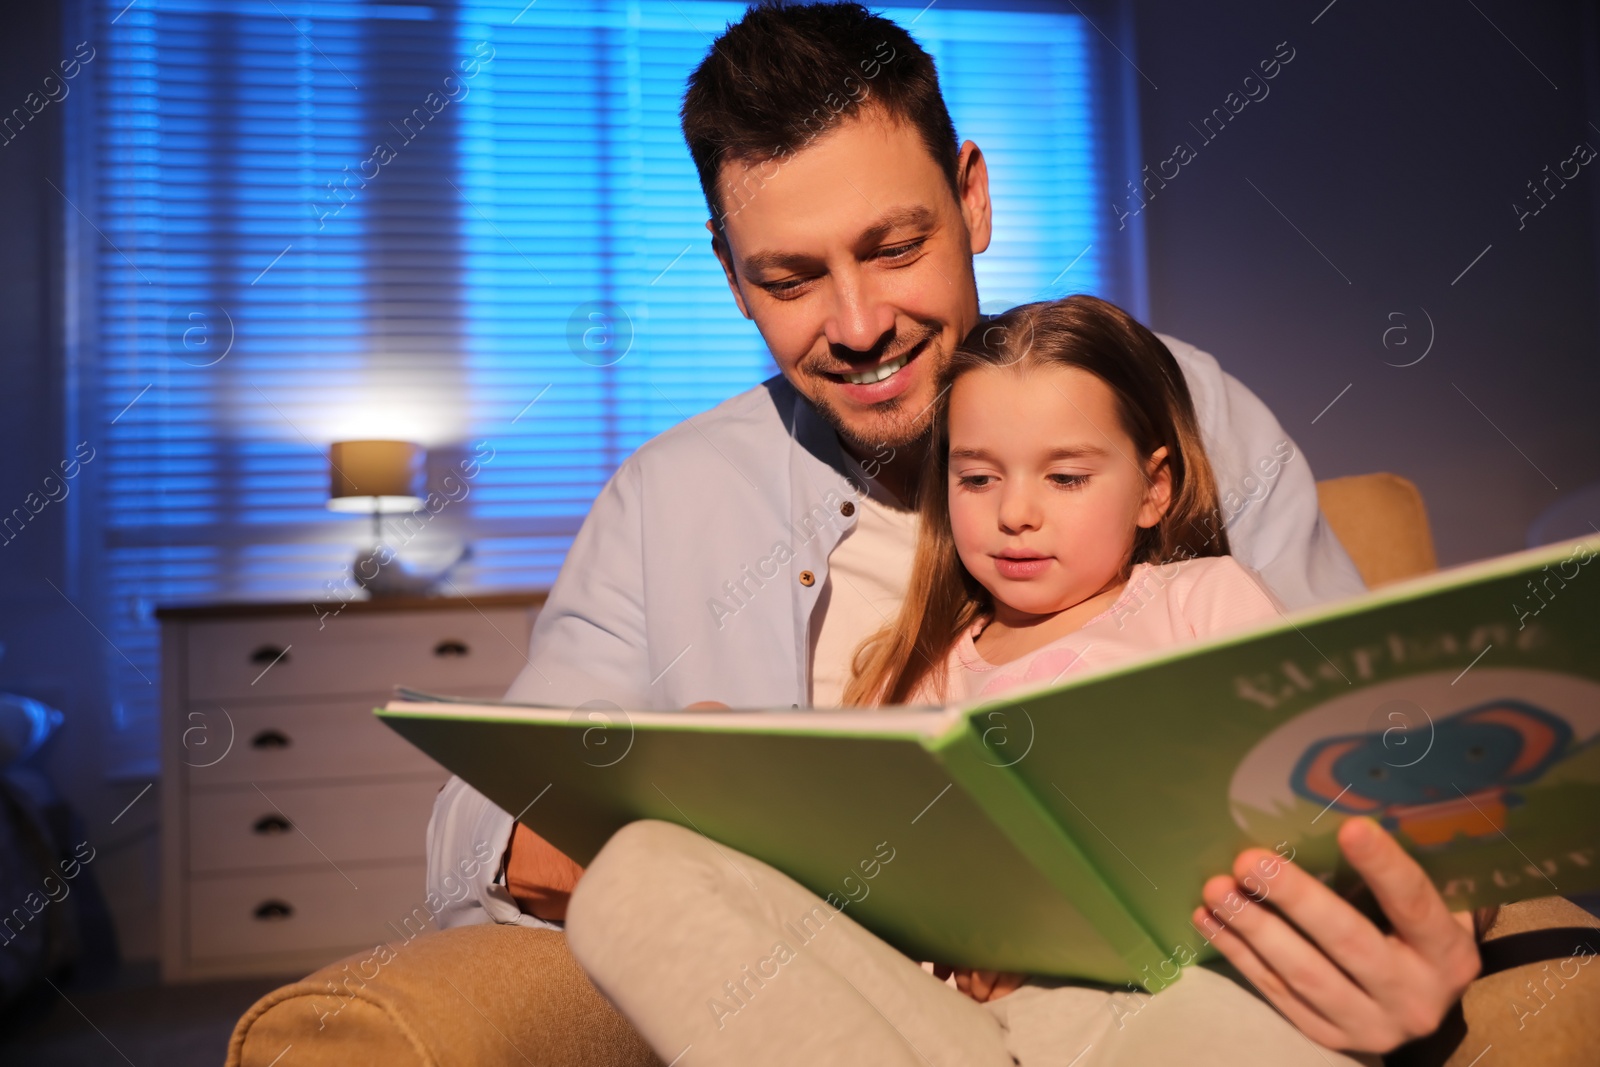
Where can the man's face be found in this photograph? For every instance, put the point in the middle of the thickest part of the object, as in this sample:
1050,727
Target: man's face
854,258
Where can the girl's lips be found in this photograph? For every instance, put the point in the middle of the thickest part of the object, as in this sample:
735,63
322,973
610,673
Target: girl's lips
1011,567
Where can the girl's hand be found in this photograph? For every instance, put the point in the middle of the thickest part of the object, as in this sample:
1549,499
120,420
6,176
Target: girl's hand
981,986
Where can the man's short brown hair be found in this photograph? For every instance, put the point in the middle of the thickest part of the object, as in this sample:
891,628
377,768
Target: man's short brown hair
787,73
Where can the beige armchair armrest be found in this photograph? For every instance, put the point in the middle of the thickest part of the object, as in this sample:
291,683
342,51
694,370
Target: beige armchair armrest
1381,521
1537,1002
486,995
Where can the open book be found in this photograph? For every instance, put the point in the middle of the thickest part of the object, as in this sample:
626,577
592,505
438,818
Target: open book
1067,831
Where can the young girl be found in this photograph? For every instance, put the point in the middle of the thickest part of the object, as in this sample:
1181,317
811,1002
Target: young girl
1069,517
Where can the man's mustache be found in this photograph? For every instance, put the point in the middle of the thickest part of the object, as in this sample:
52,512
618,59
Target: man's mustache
885,352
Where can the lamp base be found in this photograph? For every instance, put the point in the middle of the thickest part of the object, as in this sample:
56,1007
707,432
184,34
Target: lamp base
378,570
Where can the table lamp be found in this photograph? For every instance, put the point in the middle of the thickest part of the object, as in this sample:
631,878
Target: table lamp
374,477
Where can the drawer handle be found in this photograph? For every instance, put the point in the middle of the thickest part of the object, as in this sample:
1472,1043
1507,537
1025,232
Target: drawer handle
451,647
269,654
273,911
269,825
270,739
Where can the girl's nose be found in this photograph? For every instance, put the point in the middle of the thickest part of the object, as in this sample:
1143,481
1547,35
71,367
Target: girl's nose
1019,510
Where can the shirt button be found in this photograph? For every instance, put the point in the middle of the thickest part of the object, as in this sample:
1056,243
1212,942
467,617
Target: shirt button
847,509
807,578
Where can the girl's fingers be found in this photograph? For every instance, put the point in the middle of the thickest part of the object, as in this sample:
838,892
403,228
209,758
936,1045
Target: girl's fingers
984,986
1006,984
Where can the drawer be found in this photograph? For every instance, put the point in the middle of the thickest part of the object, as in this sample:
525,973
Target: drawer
310,826
220,746
284,912
260,659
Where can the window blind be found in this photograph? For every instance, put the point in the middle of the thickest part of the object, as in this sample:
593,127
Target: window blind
452,224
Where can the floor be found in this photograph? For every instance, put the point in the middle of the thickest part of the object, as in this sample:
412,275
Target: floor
127,1018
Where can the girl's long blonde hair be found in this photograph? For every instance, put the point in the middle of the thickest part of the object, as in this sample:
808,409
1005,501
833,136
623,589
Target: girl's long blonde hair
1155,409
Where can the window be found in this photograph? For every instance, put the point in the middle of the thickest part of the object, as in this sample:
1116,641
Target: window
454,224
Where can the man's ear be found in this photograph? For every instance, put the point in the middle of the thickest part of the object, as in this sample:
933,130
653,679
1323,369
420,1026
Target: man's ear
1158,490
719,246
972,184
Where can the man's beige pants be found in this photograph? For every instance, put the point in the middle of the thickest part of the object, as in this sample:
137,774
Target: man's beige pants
716,958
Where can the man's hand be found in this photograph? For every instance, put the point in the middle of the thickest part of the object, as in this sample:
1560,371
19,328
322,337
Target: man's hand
539,875
1341,980
981,986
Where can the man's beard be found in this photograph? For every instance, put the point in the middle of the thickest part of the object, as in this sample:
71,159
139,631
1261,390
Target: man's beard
896,424
896,427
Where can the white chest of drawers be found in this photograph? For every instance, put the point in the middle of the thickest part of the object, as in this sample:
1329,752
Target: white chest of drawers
292,820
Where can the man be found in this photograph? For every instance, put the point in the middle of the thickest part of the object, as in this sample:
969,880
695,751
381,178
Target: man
740,557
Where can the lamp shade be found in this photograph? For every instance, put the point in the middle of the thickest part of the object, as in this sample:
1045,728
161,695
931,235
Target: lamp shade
374,476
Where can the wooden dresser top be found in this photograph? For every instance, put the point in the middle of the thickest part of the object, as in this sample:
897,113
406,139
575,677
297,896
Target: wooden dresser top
376,605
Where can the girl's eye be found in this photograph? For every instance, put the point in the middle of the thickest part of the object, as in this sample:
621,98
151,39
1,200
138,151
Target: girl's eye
1069,481
975,481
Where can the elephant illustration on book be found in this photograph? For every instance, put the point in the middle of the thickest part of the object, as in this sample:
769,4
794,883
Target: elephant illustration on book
1462,784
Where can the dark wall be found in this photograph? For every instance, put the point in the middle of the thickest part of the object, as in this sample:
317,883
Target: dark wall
48,650
1383,159
31,430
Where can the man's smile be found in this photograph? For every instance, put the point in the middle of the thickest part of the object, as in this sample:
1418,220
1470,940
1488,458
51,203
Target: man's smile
878,373
884,382
887,369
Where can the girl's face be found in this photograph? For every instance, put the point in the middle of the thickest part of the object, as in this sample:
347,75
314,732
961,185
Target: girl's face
1045,491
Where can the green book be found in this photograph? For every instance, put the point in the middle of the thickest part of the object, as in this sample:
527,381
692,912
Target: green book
1067,831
